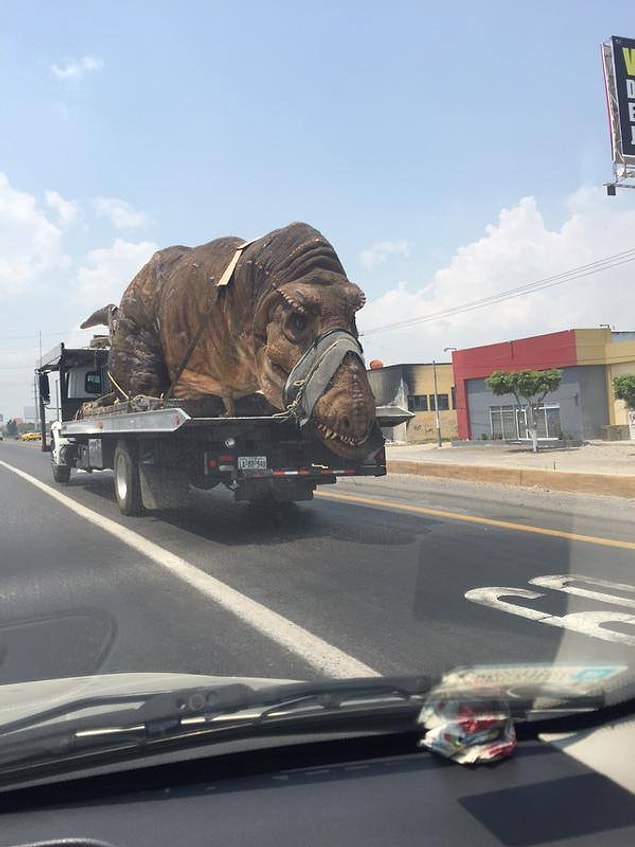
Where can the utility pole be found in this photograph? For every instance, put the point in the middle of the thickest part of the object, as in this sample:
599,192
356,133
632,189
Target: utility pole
436,403
36,402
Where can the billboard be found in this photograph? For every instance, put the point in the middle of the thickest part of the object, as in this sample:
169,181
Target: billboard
618,59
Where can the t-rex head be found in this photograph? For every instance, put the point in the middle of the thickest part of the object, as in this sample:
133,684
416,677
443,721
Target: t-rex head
294,315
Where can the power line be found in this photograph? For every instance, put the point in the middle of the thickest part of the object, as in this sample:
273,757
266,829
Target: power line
547,282
36,335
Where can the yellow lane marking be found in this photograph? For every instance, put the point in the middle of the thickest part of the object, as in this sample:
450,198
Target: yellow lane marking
378,502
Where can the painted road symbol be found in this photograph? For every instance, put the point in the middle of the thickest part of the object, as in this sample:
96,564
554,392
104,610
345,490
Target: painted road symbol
595,624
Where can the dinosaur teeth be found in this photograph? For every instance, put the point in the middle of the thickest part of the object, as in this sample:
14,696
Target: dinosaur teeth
335,436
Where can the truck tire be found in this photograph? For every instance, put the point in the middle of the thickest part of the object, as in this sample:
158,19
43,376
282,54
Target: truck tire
61,473
127,487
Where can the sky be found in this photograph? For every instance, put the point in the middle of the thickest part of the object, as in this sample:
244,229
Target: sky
449,152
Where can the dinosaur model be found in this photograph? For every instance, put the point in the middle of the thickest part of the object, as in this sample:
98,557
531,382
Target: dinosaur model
231,319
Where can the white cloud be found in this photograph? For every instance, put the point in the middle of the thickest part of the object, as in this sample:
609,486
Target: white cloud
120,214
378,253
30,244
67,210
73,70
517,250
107,271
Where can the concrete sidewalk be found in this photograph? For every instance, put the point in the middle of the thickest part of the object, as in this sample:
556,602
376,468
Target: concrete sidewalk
598,467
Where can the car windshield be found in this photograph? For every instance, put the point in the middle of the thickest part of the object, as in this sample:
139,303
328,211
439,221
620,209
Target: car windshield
317,358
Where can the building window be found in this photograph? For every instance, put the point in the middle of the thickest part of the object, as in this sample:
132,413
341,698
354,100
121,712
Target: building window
444,403
417,403
453,390
549,421
509,423
504,422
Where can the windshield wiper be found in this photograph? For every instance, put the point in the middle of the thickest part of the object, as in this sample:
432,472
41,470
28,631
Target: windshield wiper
135,724
115,721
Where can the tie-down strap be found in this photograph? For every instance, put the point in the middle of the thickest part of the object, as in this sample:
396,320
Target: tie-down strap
228,273
310,377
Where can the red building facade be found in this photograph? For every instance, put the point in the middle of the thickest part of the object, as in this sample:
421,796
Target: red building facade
556,350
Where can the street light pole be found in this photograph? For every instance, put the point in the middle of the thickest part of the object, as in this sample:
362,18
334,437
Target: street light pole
436,403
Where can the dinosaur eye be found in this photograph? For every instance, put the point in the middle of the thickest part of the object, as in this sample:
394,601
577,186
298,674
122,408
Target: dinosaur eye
298,322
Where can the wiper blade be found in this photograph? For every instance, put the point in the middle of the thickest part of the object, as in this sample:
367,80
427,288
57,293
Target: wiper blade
148,706
192,702
124,720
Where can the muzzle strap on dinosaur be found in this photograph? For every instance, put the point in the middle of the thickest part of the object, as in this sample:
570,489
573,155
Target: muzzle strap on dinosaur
310,377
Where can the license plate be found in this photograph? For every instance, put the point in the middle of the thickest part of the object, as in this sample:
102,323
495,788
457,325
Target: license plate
252,463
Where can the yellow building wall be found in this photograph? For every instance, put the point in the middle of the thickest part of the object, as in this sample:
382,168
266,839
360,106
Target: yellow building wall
420,378
595,347
620,360
423,426
591,345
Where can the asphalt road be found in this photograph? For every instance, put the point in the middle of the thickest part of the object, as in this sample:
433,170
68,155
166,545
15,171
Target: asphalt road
372,575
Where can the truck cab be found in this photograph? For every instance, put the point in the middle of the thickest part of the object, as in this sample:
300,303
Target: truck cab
83,376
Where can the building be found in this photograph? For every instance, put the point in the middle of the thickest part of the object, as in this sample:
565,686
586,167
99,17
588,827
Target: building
412,387
584,405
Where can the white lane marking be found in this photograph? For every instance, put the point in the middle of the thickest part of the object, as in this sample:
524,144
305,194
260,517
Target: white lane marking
319,654
563,582
592,624
491,597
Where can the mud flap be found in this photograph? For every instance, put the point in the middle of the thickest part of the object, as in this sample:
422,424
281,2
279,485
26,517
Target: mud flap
277,491
163,488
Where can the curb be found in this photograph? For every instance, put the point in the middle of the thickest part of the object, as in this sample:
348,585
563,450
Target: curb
614,485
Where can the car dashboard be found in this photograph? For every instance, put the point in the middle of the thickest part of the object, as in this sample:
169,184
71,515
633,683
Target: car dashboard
358,793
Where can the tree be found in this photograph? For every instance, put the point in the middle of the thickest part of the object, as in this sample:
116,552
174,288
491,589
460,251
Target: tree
529,388
624,388
11,428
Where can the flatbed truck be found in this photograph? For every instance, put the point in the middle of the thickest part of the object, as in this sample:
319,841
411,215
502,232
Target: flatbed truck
158,448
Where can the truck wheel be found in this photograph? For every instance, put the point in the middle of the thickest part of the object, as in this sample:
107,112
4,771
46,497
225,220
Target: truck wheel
127,487
61,473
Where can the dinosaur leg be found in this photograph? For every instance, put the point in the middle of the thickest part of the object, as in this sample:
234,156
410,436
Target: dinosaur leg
136,360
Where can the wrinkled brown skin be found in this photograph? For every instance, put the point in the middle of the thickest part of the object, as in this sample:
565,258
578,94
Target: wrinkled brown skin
288,288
